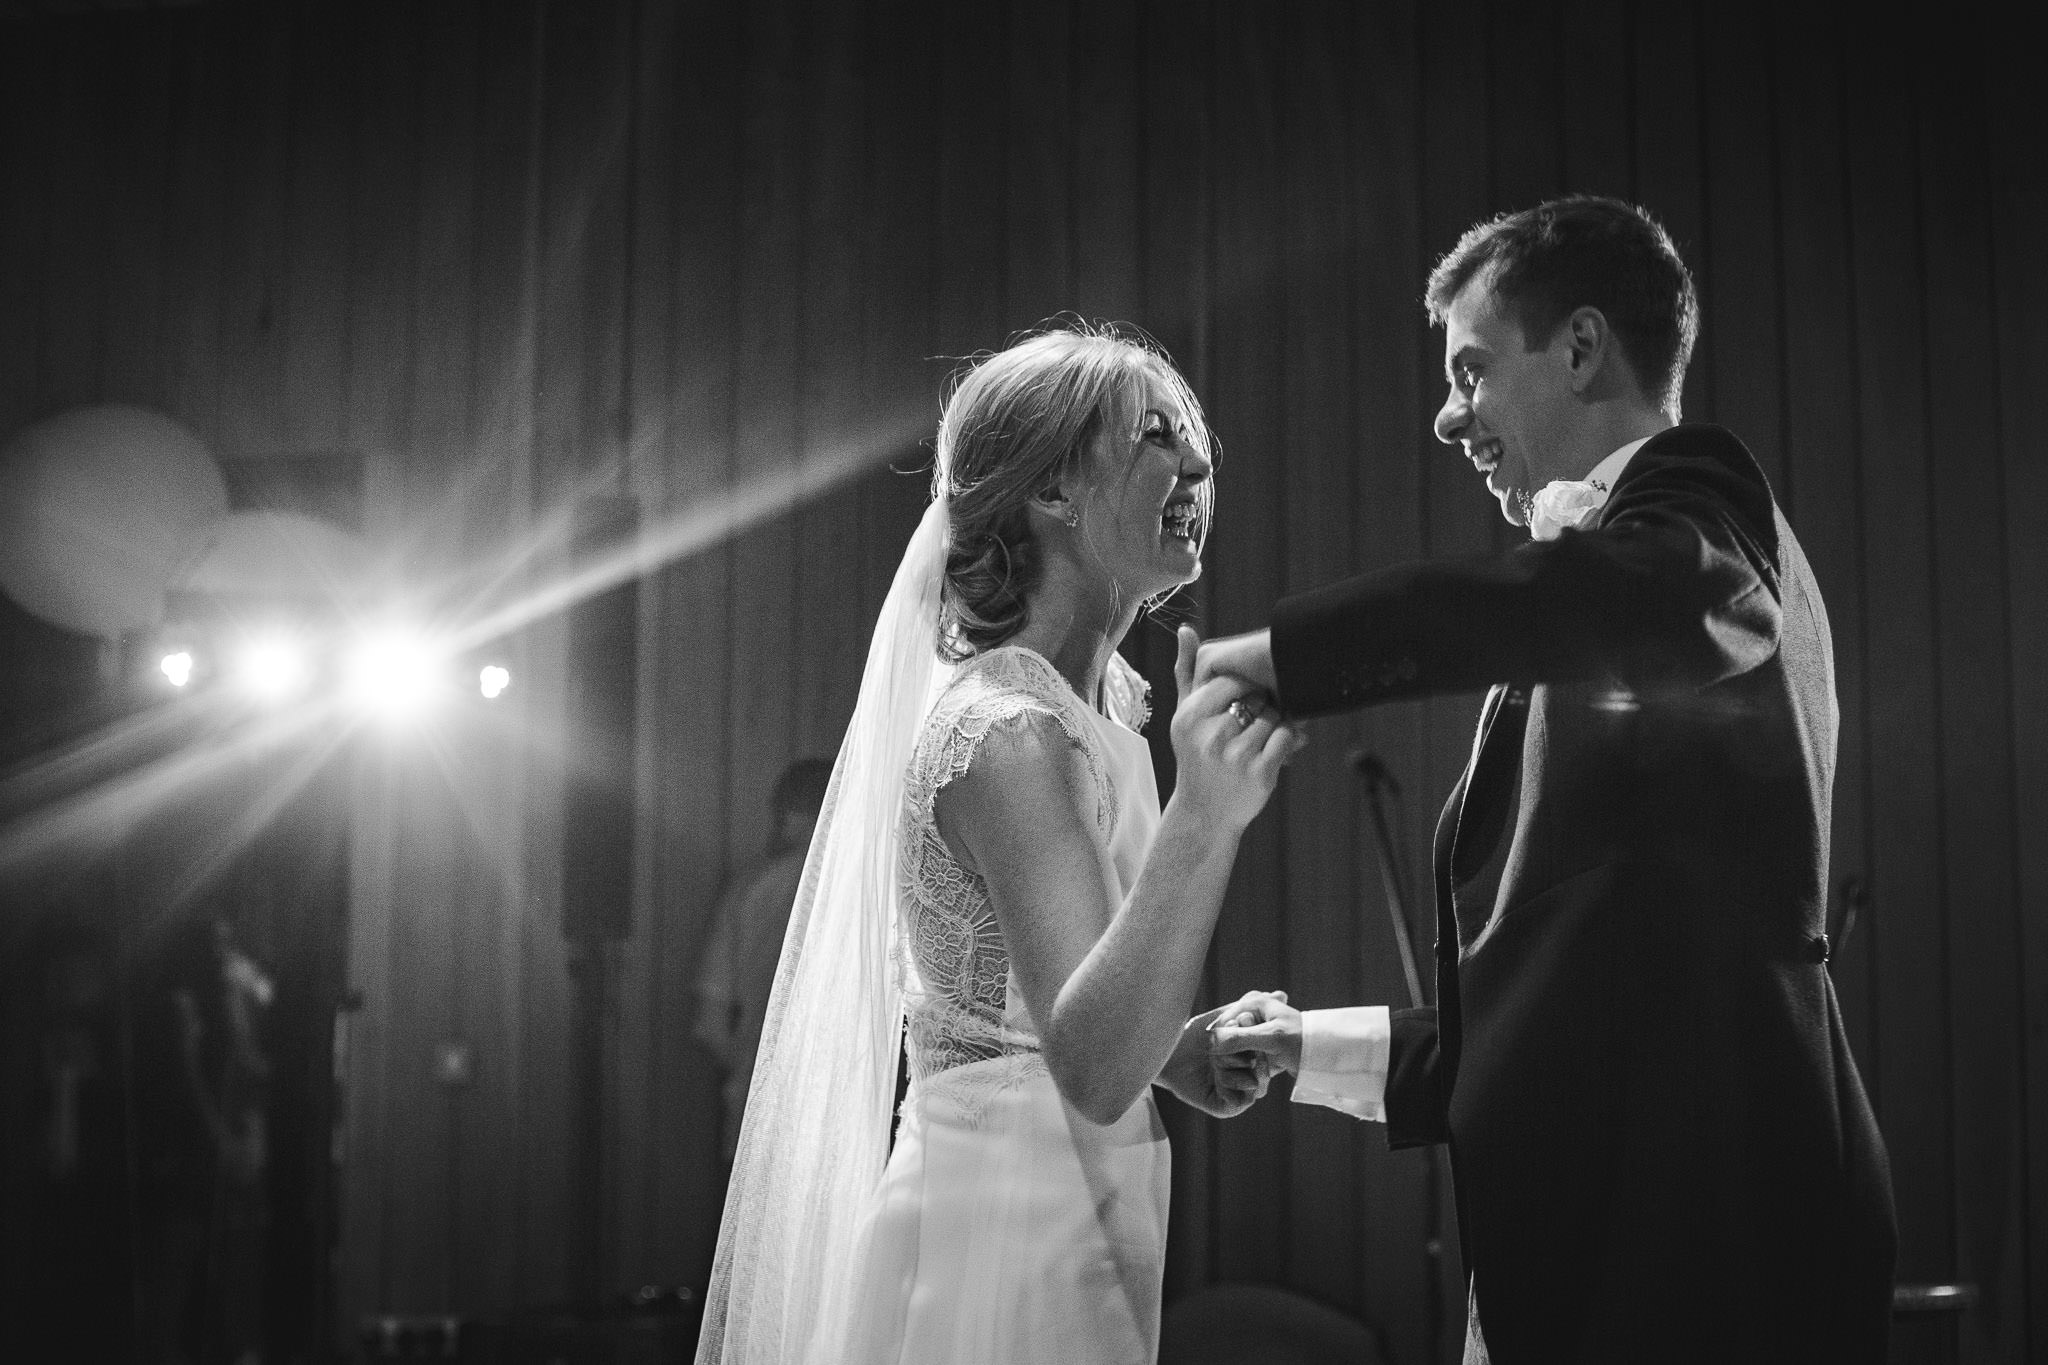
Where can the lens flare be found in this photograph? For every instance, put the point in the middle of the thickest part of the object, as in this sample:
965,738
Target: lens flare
176,667
492,680
393,674
272,669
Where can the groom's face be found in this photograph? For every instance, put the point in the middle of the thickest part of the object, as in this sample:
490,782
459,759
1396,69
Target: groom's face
1510,407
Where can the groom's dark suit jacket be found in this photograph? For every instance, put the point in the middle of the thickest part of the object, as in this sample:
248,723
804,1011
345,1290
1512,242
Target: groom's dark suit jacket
1661,1146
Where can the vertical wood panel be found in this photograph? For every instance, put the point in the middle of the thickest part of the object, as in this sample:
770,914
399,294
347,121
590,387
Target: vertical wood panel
367,1156
583,222
497,500
654,994
25,76
1525,99
1246,382
900,266
1669,178
1319,476
1905,886
2019,206
767,431
695,140
313,329
414,1224
1602,96
423,1219
970,306
583,103
1738,273
139,174
1979,902
1037,164
378,1160
827,607
443,302
187,332
1107,180
461,920
78,197
253,264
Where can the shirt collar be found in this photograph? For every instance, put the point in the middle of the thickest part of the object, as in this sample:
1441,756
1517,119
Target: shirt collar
1608,472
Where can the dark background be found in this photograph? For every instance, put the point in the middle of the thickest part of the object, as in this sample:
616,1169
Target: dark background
490,258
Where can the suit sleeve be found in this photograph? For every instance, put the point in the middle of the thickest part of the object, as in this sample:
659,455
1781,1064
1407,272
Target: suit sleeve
1417,1109
1678,585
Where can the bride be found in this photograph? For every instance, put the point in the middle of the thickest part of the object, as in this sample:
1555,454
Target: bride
993,876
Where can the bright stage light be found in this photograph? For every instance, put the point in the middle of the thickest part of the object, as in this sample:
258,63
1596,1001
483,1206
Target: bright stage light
492,681
177,668
272,669
393,673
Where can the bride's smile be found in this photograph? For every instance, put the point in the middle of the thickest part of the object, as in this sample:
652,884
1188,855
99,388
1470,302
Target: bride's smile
1146,506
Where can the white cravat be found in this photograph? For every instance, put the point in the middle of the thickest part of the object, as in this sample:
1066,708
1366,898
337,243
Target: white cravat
1574,504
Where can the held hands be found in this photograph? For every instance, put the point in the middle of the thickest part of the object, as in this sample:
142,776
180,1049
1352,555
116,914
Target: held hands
1220,1084
1223,1060
1262,1024
1228,740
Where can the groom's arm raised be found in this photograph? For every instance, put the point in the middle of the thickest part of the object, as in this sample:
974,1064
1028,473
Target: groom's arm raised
1678,584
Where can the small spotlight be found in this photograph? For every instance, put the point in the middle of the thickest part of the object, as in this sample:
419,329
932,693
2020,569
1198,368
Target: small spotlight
393,673
492,681
272,669
177,668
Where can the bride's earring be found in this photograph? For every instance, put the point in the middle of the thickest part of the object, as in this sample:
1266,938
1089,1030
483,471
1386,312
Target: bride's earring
1055,503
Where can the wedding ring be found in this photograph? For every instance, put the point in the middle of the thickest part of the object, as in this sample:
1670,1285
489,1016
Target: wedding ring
1242,714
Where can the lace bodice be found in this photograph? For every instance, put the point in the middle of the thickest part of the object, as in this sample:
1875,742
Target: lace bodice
961,1002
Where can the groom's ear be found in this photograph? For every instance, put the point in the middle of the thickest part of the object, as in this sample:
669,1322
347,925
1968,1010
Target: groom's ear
1589,341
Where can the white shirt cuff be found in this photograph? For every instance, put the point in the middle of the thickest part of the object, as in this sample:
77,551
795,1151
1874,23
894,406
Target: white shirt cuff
1344,1059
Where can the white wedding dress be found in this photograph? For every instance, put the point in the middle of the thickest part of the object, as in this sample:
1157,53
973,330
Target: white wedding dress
1008,1229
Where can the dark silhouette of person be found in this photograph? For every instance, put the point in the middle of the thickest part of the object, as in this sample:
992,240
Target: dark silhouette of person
202,1078
745,940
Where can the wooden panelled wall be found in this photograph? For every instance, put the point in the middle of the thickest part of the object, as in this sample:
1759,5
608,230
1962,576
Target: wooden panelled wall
512,252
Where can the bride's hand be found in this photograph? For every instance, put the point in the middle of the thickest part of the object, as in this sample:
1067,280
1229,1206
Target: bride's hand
1263,1024
1228,740
1220,1084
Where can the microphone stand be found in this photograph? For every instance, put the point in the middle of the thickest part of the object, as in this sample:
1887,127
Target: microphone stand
1380,790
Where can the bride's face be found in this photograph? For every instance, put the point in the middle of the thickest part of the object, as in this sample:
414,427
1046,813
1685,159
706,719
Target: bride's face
1146,501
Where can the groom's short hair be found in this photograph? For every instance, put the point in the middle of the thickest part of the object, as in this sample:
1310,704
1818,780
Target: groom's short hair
1584,251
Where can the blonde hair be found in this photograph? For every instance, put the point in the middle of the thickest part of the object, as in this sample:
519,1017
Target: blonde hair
1016,424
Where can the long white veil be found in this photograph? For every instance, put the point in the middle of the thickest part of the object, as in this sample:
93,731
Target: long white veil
816,1134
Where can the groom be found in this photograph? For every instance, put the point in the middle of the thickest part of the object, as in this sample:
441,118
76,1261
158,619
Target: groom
1661,1147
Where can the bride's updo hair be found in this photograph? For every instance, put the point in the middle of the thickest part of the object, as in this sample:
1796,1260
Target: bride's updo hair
1017,423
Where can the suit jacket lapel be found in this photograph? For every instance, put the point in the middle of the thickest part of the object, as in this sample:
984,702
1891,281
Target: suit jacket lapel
1476,814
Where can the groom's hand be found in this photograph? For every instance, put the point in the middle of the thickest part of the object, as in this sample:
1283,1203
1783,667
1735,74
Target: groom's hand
1262,1024
1248,656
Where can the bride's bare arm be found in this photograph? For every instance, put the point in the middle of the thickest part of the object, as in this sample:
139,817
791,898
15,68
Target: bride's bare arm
1111,992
